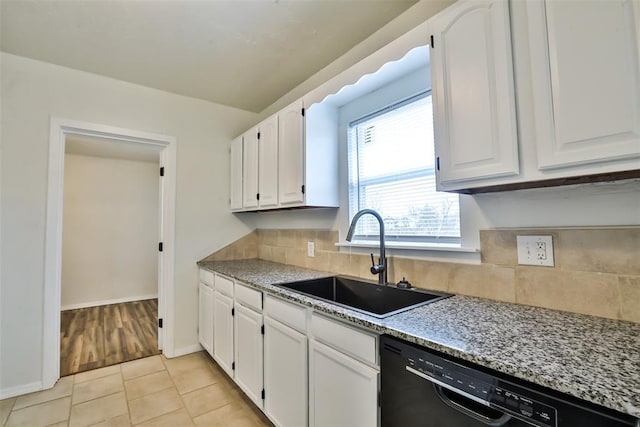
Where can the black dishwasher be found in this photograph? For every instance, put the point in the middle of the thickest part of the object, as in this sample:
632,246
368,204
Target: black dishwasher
421,387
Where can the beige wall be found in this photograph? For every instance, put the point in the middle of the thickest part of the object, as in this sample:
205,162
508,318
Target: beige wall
33,92
597,270
110,230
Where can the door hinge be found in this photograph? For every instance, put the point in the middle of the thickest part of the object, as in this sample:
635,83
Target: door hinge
159,323
162,171
233,311
431,41
233,366
438,163
258,135
302,188
263,394
262,329
257,196
160,247
302,111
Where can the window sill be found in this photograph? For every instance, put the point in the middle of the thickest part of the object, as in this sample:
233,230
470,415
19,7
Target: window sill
444,247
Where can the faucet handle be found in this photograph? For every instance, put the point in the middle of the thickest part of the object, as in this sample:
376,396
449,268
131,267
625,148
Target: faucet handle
375,268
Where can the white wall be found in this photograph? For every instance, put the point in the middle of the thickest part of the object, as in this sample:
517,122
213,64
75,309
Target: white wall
34,91
110,230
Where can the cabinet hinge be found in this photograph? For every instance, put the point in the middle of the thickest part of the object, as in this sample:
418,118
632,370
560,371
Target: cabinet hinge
258,135
233,311
160,247
302,111
302,188
432,41
162,171
160,323
257,196
233,366
263,394
262,329
438,163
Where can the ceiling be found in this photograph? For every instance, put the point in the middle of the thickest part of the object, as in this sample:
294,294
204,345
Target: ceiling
241,53
95,146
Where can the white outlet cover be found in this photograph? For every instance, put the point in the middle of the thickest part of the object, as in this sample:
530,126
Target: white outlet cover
311,249
535,250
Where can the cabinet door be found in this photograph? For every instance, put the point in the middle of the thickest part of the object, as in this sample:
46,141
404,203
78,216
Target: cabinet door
285,374
250,169
342,391
223,332
291,154
585,80
205,317
473,93
235,190
248,353
268,163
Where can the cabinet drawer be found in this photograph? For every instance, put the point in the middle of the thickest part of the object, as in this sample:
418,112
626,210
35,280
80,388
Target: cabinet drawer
290,314
224,285
354,342
206,277
248,297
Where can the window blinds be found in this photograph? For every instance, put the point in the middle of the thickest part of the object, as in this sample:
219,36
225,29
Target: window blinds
391,170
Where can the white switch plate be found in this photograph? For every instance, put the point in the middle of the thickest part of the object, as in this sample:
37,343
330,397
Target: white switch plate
535,250
311,249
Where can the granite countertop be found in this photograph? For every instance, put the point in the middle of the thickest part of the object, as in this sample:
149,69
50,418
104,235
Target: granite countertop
588,357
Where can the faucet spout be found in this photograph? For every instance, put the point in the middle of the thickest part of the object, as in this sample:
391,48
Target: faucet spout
381,268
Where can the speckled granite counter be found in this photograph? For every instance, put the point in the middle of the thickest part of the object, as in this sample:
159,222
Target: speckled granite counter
591,358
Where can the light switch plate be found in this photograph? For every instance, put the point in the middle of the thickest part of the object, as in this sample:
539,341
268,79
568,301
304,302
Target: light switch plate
535,250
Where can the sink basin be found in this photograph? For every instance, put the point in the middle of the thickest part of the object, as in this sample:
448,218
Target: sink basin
370,298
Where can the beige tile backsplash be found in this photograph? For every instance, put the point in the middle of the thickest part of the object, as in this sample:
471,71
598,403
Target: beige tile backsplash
597,270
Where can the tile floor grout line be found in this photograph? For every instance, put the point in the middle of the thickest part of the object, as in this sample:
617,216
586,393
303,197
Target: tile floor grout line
126,399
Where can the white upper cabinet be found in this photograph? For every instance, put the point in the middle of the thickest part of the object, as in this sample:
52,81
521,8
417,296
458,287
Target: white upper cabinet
473,93
235,187
250,169
585,76
268,163
291,154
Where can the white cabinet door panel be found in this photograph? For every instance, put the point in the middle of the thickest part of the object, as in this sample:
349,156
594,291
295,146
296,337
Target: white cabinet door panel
285,374
248,352
342,391
291,154
250,169
268,163
223,332
585,78
205,317
235,187
473,92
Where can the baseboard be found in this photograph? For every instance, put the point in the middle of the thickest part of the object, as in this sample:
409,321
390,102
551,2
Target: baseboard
107,302
184,350
20,390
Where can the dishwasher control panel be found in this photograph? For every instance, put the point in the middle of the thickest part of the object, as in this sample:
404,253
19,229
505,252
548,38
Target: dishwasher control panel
481,387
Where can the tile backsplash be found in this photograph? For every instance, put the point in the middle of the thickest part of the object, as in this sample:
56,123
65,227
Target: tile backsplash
597,270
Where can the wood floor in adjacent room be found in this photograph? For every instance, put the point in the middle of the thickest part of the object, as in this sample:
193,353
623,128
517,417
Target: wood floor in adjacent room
95,337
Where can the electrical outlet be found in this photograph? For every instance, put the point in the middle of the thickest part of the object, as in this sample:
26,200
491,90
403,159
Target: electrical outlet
535,250
311,249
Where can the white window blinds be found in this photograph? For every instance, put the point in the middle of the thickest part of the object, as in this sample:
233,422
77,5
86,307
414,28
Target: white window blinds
391,170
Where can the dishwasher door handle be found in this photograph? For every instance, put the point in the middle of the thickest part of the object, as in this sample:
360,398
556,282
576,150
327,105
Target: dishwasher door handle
439,385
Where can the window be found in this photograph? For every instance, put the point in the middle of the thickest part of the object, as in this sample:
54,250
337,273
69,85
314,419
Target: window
392,170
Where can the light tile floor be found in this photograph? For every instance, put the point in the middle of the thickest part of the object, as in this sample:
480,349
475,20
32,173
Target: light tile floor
154,391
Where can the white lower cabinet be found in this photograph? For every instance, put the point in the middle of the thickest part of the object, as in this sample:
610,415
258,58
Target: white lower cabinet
343,392
223,331
285,374
205,317
248,352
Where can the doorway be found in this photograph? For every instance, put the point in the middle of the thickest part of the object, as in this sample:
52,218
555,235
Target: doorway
60,132
110,259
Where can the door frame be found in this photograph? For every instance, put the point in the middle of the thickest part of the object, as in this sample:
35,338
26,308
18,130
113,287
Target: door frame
59,129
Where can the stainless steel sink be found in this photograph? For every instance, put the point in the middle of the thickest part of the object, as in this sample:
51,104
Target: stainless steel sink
370,298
